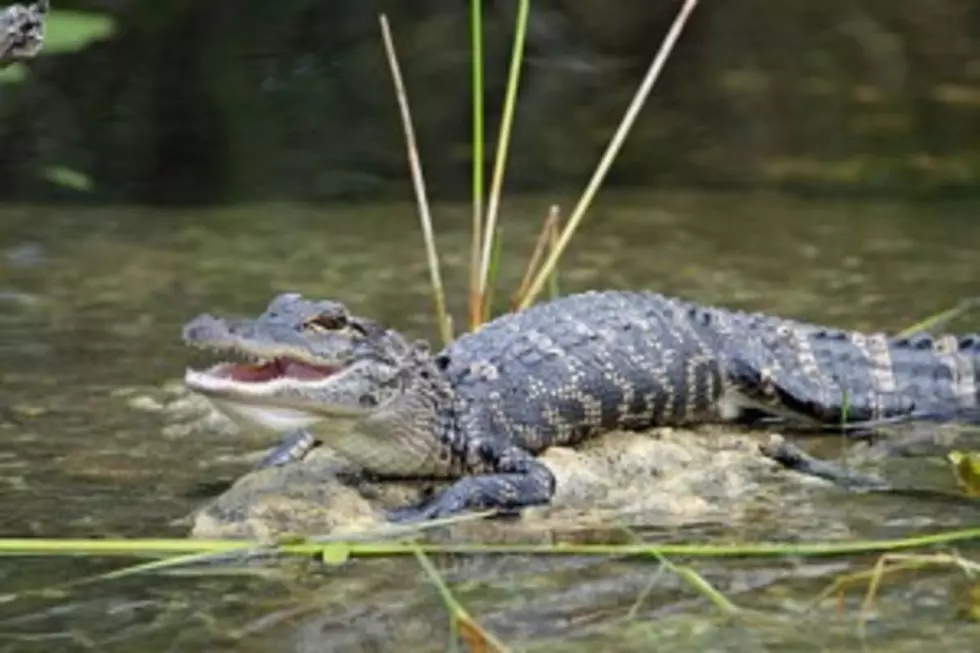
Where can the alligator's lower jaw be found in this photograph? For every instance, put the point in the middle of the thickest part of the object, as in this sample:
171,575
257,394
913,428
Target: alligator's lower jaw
274,419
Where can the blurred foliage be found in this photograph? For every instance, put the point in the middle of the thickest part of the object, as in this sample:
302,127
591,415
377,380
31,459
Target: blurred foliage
65,31
189,102
67,178
966,469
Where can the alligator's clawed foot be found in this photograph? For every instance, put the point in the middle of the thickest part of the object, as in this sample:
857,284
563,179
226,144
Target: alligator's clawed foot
470,495
407,514
792,457
427,512
441,507
293,448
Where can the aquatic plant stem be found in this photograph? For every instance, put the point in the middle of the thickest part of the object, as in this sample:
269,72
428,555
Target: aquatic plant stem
476,27
940,319
425,217
363,547
503,144
461,623
553,233
611,151
487,298
688,575
546,238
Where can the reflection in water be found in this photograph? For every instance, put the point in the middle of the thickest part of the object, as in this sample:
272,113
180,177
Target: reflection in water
92,304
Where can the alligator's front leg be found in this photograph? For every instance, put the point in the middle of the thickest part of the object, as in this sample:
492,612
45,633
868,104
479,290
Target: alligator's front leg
293,448
517,480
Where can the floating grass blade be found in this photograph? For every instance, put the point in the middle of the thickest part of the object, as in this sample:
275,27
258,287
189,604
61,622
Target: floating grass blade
687,574
644,594
611,151
934,321
418,178
503,144
702,586
891,564
355,548
461,623
901,562
476,27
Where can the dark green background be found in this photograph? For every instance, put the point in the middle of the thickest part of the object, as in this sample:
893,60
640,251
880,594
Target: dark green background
241,100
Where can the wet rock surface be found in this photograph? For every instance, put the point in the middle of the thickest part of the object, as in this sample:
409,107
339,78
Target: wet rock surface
666,477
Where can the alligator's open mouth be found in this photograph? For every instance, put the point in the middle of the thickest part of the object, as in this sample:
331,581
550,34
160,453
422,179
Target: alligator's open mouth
265,371
275,394
261,378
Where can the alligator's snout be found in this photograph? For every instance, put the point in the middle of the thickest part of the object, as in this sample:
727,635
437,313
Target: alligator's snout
202,328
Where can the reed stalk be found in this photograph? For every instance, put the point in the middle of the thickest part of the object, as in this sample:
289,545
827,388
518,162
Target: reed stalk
503,145
610,154
418,179
476,27
546,238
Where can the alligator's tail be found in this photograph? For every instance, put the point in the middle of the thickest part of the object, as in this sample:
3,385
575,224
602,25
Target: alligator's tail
836,377
940,375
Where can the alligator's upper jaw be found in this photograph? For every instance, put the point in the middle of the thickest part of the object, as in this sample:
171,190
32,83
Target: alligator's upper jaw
251,394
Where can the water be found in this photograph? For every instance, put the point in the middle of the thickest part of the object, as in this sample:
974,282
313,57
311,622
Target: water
91,304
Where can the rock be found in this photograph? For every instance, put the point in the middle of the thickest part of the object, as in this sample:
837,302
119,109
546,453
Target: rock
146,404
187,413
667,476
317,496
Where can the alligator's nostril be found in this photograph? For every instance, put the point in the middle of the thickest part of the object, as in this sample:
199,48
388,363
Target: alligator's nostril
367,401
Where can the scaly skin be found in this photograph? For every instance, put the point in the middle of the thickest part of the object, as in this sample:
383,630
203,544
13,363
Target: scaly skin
22,31
561,372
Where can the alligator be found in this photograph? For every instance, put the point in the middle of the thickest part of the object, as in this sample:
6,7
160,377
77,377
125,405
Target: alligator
477,413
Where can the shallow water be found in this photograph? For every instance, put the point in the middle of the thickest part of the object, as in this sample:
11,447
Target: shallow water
91,304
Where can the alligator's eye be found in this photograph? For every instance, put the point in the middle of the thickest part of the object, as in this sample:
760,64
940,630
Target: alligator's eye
326,322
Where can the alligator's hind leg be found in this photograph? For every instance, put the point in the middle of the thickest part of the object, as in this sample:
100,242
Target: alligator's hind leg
517,480
793,394
293,448
817,401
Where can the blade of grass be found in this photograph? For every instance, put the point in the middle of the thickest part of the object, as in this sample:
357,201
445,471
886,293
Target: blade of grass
494,268
503,144
476,26
688,575
702,586
547,228
332,549
163,547
644,594
445,325
943,317
476,637
553,235
889,564
611,151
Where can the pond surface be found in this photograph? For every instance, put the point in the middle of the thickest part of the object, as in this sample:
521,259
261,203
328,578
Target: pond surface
91,305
